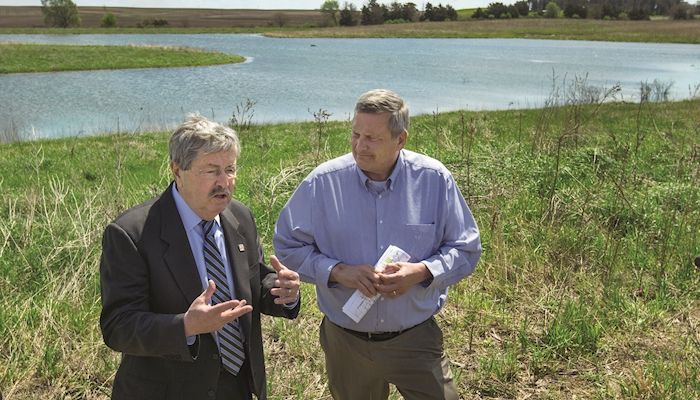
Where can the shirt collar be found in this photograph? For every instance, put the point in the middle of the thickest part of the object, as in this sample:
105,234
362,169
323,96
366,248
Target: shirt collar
391,180
190,219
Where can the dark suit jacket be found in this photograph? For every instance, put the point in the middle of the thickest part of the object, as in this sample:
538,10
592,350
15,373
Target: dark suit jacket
149,279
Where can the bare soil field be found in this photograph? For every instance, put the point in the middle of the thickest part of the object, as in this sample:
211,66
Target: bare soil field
31,17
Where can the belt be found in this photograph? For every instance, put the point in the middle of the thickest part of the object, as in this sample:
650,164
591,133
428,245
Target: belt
379,336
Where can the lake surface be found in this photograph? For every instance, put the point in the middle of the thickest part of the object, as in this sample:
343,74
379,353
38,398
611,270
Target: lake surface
291,78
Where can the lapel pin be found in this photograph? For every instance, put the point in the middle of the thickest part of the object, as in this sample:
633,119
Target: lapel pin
241,247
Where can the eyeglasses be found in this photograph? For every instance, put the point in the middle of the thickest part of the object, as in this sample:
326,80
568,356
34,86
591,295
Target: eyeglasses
213,173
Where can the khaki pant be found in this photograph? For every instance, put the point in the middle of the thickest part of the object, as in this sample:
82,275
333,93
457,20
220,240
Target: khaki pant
362,370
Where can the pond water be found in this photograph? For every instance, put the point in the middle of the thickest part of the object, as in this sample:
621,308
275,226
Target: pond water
289,79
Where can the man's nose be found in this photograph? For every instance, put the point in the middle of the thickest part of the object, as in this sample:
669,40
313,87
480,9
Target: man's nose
222,179
362,143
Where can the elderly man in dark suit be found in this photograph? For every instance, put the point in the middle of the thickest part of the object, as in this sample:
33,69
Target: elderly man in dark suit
184,281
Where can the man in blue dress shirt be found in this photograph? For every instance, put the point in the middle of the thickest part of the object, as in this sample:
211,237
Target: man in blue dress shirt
338,223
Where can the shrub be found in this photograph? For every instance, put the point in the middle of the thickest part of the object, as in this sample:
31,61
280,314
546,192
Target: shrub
479,14
577,10
156,23
108,20
552,10
682,10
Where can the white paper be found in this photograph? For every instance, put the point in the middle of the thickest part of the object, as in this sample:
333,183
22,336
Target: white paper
358,304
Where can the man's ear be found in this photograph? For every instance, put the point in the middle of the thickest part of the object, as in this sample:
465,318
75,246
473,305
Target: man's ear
402,138
175,169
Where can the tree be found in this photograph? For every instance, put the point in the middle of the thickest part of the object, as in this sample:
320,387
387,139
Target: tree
347,15
331,8
451,13
498,10
279,19
60,13
575,9
552,10
410,12
373,13
522,7
108,20
428,13
682,10
479,14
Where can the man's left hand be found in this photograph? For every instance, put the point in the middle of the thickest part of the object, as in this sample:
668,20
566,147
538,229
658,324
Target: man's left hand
286,285
398,278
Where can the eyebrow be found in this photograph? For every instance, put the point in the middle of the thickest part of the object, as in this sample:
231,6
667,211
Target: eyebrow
210,165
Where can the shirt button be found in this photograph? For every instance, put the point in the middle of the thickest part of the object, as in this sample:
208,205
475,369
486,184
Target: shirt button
214,356
381,221
380,196
381,320
381,247
211,393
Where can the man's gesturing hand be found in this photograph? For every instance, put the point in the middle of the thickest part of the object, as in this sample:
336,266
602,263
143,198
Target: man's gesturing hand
204,318
287,283
360,277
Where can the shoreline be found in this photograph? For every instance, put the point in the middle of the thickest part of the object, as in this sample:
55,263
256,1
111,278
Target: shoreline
654,31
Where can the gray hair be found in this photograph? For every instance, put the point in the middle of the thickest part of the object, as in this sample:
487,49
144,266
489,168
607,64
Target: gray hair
198,134
379,101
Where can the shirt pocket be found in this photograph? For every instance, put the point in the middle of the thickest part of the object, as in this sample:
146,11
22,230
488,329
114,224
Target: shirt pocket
419,241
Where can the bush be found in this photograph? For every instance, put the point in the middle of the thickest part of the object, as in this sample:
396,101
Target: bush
638,14
396,21
577,10
156,23
108,21
479,14
552,10
682,10
522,7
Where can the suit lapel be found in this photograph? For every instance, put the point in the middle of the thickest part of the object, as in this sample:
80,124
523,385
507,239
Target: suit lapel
178,254
238,260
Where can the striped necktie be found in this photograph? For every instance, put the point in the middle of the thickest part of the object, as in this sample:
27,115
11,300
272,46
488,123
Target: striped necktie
230,338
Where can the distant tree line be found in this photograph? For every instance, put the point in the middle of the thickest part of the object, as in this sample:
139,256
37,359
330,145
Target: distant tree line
594,9
375,13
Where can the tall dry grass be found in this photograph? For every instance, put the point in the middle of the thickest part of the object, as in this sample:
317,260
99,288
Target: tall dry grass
586,288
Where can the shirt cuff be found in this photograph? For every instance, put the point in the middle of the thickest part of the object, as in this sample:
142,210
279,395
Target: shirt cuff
291,306
324,272
435,268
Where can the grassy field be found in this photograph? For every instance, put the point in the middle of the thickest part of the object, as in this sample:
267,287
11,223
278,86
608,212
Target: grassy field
311,23
42,58
663,31
589,217
31,17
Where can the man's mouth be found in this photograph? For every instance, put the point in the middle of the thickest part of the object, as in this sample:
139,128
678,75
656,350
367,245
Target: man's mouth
220,195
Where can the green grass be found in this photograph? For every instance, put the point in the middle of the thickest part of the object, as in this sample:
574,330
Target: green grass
146,30
659,31
16,58
465,13
665,31
586,288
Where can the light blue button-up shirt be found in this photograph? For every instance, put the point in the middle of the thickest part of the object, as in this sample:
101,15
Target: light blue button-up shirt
337,214
195,235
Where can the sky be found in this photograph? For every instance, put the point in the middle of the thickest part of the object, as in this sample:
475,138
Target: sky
254,4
